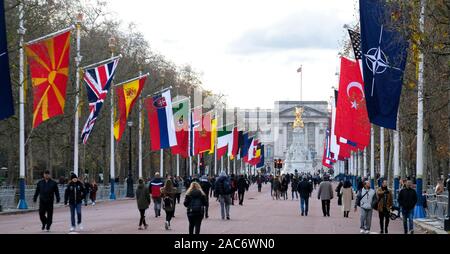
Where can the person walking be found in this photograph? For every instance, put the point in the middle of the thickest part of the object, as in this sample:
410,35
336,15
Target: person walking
294,186
338,192
179,187
277,187
195,201
206,187
242,185
305,189
46,190
325,194
284,186
155,190
384,196
168,193
143,202
347,197
224,190
407,199
233,182
93,193
365,199
87,190
74,196
259,181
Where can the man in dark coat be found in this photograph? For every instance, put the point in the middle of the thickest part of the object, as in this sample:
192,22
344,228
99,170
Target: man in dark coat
305,189
407,199
74,196
242,185
46,189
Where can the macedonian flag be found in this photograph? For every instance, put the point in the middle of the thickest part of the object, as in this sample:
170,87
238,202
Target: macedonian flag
127,94
49,68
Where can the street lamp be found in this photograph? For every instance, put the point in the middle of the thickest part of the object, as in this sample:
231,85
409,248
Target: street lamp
130,192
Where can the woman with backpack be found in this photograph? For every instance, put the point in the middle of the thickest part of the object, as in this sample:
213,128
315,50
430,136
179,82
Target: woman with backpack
168,193
195,201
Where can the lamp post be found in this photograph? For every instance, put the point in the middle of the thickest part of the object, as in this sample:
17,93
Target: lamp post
130,192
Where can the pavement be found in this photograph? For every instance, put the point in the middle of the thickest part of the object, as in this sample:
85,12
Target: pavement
260,214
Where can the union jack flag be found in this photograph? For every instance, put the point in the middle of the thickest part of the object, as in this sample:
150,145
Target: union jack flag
97,81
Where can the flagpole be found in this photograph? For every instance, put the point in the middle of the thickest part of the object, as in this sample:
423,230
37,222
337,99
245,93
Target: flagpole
112,196
221,164
365,173
228,165
198,164
419,211
381,157
140,129
190,151
178,164
396,161
77,99
21,31
161,163
50,35
372,157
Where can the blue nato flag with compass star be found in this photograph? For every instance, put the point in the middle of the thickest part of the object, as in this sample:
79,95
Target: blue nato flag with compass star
6,98
384,54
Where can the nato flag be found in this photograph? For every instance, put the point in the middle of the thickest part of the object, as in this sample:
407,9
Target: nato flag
6,98
384,58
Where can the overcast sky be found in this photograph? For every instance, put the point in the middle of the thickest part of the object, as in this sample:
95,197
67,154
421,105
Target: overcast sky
249,50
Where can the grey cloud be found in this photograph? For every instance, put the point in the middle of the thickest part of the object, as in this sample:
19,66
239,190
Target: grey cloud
303,30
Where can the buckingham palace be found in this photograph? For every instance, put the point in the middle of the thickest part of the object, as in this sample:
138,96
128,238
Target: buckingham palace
274,128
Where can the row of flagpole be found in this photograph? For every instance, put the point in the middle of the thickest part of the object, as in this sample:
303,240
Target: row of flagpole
354,162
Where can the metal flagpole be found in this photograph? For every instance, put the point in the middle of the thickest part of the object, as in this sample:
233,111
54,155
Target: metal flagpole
191,150
140,131
228,165
178,164
381,156
215,159
198,164
365,173
161,163
419,211
112,45
77,99
21,31
396,161
372,157
221,164
360,163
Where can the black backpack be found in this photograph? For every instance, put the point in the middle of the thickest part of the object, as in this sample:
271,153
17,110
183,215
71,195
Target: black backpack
196,205
168,202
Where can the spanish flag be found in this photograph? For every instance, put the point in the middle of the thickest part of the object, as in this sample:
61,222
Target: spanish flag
49,67
127,94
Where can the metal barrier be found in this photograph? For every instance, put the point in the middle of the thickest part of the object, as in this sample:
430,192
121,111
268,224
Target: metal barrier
9,195
437,206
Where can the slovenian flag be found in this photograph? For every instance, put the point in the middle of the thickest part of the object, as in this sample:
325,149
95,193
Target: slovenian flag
162,126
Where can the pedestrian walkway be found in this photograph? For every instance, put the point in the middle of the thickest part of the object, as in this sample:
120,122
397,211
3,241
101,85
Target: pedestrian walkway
259,214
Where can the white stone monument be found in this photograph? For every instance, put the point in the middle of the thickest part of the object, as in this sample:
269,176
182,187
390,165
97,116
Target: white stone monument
297,156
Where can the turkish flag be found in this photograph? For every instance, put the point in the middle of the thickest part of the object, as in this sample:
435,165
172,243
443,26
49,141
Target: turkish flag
352,121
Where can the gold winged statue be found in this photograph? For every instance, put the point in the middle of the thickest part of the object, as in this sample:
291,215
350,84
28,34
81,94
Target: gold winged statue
298,118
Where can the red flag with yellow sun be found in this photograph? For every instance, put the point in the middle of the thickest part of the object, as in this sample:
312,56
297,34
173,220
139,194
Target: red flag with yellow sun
49,67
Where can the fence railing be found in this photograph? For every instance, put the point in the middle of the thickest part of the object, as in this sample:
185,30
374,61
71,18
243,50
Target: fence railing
9,195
